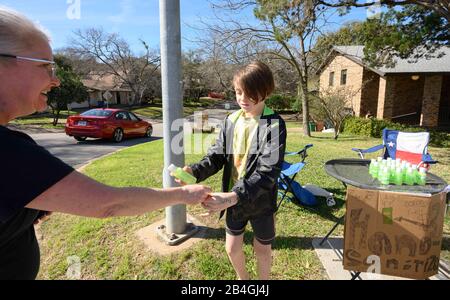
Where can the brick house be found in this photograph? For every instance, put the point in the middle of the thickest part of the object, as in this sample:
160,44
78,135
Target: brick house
98,84
416,93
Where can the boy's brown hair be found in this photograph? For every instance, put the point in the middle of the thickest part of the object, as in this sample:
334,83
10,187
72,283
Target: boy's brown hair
255,80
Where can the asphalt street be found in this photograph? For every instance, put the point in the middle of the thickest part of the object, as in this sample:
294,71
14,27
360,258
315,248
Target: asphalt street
76,153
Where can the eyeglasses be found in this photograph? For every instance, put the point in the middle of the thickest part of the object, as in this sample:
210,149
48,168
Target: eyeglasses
51,65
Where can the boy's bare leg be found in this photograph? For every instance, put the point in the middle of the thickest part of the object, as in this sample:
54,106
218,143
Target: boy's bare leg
263,258
234,247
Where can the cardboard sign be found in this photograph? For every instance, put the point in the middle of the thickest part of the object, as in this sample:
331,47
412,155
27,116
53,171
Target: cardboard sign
393,233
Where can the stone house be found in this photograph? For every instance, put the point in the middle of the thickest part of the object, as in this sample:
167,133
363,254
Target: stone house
98,85
411,92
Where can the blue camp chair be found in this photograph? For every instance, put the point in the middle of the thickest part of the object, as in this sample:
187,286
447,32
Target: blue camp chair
287,183
410,146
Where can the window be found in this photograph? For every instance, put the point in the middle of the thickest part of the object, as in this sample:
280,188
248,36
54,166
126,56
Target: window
331,80
133,117
343,77
122,116
97,113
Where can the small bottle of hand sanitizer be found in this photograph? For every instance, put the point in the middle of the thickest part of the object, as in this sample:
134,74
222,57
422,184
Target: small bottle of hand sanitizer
182,175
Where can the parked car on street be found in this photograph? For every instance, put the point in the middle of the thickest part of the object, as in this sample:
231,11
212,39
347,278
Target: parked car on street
107,123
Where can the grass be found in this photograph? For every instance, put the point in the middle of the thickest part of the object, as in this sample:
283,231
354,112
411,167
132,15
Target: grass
154,110
109,249
44,120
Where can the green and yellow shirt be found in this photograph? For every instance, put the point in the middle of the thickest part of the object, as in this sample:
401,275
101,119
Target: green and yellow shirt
244,131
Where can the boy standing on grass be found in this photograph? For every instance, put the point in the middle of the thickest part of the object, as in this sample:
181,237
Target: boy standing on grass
250,147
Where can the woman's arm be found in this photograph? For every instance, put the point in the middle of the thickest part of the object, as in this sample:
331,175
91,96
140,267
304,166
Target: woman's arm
78,194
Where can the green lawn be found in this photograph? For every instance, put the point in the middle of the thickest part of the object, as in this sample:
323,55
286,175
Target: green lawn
44,120
154,111
109,249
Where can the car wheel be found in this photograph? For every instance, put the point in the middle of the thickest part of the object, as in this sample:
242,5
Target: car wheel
80,138
149,132
118,135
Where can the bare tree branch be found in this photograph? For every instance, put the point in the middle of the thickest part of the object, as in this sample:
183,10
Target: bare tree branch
115,53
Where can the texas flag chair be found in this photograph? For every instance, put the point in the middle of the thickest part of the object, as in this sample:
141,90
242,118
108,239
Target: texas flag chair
409,146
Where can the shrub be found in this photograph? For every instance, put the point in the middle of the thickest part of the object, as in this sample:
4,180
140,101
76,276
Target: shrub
281,102
374,128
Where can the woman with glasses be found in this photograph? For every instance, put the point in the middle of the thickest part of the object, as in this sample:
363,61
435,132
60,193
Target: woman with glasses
32,181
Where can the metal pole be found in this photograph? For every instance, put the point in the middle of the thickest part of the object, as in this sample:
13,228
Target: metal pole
170,38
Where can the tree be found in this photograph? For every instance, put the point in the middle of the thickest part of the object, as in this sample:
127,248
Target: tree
408,29
70,90
333,104
193,78
349,34
115,53
217,67
440,7
82,64
285,31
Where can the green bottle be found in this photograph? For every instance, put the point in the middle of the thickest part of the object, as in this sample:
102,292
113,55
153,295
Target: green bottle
372,167
416,174
383,176
398,176
392,174
409,178
375,170
372,162
422,176
182,175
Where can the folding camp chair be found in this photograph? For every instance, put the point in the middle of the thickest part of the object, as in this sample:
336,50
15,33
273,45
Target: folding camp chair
287,183
409,146
300,195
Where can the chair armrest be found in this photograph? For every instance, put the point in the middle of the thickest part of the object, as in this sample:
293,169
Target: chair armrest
361,152
429,160
302,152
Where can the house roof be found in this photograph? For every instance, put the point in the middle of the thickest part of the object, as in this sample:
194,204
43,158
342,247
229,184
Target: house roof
105,82
422,65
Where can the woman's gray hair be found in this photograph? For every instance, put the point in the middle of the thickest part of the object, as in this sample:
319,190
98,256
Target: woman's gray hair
17,32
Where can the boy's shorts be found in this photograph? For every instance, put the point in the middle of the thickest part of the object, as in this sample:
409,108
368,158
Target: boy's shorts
263,227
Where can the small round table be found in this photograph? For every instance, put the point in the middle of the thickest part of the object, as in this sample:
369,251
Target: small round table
355,172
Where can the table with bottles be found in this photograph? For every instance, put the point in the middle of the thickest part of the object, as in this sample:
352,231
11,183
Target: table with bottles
385,174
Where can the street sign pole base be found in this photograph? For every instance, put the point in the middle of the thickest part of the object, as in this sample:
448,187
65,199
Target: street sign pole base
173,239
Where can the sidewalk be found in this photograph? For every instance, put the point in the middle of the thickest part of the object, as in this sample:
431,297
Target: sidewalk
331,260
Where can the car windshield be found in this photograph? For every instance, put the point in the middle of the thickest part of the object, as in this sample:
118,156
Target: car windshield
97,113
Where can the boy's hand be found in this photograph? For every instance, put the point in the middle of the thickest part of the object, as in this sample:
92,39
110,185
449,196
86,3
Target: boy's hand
187,169
220,201
194,194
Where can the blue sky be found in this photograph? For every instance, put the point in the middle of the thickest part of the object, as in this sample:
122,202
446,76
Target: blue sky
132,19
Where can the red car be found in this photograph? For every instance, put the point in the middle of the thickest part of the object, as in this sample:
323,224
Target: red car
107,123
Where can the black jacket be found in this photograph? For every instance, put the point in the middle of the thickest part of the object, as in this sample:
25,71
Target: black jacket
257,190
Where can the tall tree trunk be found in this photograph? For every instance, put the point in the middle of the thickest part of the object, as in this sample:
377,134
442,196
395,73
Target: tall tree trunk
303,89
56,117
